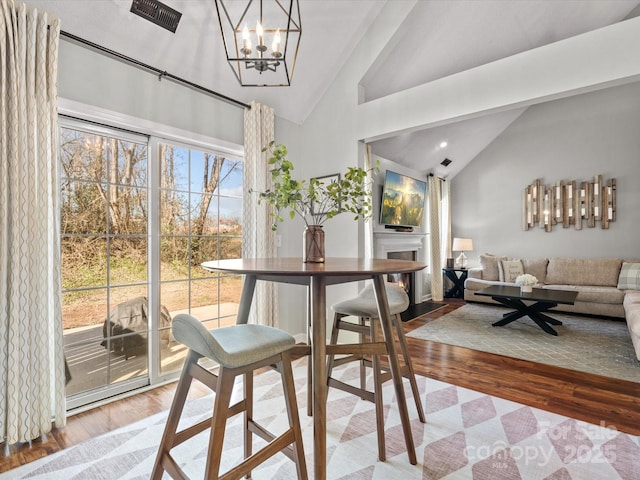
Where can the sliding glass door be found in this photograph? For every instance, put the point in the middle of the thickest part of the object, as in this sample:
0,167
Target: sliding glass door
138,216
200,205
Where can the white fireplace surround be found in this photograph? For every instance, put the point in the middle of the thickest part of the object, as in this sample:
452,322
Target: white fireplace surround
385,243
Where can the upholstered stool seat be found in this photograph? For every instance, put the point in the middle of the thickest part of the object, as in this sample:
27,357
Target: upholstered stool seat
365,308
239,350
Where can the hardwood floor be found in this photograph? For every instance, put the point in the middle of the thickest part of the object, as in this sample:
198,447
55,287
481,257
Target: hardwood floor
587,397
592,398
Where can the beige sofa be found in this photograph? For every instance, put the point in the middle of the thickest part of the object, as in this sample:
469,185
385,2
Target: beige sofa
596,280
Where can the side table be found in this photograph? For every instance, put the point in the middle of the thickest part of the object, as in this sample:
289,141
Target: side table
457,291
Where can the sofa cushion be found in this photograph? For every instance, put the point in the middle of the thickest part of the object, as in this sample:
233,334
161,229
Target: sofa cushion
631,297
489,264
592,294
629,278
509,270
478,284
536,267
633,320
584,271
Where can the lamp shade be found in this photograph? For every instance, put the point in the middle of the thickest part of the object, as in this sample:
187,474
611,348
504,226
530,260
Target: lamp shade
462,244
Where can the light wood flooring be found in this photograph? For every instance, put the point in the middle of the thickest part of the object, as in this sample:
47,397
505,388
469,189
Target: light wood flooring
587,397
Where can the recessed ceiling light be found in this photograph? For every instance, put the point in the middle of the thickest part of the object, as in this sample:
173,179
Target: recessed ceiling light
443,144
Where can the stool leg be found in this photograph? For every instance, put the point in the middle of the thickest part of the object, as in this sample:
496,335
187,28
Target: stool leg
363,365
309,363
377,393
397,320
288,385
335,330
175,412
224,388
248,414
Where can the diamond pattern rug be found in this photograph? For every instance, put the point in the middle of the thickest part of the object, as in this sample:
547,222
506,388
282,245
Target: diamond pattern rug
587,344
468,435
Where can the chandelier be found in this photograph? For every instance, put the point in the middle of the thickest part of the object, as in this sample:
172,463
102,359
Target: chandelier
261,39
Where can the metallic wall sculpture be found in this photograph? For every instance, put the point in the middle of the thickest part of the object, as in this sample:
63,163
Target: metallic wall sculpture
569,204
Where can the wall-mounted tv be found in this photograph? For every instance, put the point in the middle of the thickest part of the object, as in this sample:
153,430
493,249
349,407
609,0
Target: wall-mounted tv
402,203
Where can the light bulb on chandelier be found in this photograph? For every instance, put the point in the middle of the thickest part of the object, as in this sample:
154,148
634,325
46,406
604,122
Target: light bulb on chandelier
272,46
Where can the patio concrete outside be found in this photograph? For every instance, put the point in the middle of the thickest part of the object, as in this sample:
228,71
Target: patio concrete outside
92,366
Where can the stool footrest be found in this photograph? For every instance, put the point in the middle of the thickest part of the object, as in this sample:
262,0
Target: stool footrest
353,327
267,436
279,444
187,433
375,348
172,468
358,392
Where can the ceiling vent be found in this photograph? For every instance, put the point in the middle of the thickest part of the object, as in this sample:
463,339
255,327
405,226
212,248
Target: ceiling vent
445,162
157,13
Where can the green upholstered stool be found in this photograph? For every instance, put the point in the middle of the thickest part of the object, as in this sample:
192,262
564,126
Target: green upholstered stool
239,350
364,307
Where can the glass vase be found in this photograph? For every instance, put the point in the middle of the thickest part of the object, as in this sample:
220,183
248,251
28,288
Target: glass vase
313,244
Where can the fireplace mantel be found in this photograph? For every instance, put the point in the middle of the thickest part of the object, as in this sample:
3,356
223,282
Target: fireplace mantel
385,243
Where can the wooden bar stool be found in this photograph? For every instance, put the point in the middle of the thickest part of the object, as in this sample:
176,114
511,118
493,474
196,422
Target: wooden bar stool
239,349
364,307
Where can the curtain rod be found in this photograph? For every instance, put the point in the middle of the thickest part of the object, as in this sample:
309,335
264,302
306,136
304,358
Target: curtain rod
161,73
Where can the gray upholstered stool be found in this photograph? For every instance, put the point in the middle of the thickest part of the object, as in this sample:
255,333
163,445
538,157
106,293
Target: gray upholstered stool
365,308
239,349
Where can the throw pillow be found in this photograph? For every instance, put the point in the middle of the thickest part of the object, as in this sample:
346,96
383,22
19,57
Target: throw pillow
536,267
489,264
509,270
629,278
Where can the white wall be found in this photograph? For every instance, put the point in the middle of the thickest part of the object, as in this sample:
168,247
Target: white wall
331,137
327,143
569,139
86,76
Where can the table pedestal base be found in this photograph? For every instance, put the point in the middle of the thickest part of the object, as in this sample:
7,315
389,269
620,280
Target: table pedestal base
534,311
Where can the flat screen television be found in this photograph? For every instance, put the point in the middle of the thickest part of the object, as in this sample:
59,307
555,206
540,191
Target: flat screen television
402,203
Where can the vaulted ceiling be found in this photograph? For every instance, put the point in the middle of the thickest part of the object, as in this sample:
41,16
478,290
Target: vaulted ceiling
438,38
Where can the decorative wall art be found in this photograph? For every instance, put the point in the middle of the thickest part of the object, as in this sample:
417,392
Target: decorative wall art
569,203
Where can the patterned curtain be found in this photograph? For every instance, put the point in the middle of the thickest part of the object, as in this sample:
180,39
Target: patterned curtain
32,375
440,228
445,220
258,239
368,225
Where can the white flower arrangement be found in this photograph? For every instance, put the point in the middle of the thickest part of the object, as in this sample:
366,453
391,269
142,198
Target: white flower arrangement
526,279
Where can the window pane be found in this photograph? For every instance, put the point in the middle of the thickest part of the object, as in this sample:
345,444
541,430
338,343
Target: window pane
231,215
128,261
231,178
84,262
197,171
203,250
180,170
131,163
83,207
230,247
175,296
174,258
104,213
127,210
83,155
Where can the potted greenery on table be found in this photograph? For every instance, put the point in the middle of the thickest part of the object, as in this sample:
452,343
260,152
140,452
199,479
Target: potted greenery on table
315,201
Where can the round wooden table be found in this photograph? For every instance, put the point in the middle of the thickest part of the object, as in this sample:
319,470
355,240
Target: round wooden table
317,276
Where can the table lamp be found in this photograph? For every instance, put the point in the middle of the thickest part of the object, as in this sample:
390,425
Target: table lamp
462,245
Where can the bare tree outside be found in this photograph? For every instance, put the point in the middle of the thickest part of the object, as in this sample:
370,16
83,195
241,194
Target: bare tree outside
104,218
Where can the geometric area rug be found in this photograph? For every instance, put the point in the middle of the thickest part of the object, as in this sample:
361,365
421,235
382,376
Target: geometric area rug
468,435
588,344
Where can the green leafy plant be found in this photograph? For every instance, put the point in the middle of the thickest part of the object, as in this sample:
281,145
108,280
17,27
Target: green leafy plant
314,200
